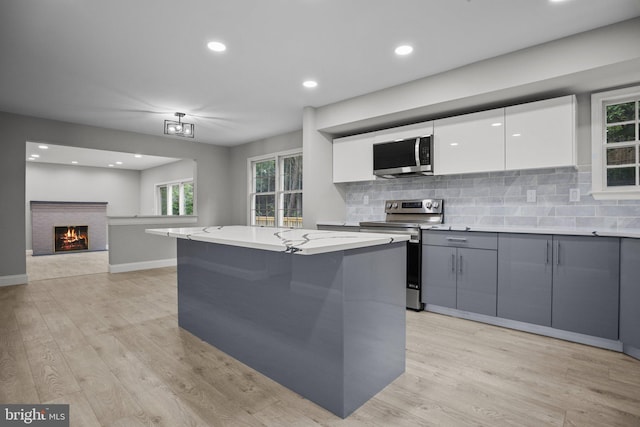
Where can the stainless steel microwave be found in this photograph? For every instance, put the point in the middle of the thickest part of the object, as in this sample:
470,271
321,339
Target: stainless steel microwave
406,157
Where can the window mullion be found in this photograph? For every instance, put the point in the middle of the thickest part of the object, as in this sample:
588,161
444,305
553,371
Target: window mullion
181,199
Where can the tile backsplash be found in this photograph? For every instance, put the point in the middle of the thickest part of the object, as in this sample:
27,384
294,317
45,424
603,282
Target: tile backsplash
500,198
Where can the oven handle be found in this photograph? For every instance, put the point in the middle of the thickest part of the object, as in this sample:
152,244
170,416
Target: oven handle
378,230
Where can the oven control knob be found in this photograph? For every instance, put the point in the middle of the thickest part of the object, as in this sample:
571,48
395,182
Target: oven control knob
388,205
428,205
395,206
435,205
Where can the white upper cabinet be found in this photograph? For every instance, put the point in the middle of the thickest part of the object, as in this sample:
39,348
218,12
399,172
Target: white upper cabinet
541,134
469,143
527,136
353,155
403,132
353,158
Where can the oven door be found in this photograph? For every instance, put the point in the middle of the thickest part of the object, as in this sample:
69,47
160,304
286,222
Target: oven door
414,275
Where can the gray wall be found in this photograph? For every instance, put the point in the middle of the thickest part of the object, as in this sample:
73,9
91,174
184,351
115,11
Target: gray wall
323,200
149,178
580,64
61,183
238,175
211,176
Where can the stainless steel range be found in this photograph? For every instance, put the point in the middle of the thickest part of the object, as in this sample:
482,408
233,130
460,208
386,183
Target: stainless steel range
406,217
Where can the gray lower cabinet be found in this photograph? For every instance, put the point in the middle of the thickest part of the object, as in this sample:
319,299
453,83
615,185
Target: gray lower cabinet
630,293
586,273
459,270
477,280
439,275
525,274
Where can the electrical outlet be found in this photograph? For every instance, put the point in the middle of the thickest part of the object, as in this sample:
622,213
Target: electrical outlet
531,196
574,195
365,199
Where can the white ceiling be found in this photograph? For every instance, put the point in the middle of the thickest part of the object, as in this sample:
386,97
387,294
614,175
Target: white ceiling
64,155
131,64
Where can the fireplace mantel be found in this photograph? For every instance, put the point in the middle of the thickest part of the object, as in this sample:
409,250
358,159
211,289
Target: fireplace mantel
46,215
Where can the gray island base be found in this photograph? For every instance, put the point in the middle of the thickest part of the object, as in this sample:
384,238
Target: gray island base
329,326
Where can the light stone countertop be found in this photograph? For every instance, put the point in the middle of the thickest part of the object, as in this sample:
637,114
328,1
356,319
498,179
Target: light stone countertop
633,233
292,240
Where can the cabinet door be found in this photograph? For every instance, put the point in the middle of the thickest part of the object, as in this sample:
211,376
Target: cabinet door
524,277
469,143
477,280
586,285
630,292
403,132
439,275
353,158
541,134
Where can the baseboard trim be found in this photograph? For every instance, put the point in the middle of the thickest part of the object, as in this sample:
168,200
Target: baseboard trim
547,331
144,265
632,351
17,279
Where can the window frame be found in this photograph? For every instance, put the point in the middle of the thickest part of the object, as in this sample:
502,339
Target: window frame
278,192
599,102
181,201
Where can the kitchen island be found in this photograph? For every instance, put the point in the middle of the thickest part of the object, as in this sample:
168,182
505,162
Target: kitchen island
320,312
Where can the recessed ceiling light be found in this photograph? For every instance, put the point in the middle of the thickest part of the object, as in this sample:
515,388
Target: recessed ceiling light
516,134
217,46
31,158
454,144
118,163
75,162
138,156
110,165
35,155
496,124
405,49
310,83
43,147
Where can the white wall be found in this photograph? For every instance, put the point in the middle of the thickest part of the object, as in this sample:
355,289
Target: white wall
593,60
52,182
149,178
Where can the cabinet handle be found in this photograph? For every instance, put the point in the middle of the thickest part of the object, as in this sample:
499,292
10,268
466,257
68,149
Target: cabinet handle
460,264
453,263
456,239
547,262
558,254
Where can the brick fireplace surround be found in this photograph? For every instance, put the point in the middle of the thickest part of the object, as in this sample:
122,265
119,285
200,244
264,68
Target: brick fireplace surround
45,216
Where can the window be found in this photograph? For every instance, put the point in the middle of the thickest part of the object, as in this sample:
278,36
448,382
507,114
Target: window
615,118
175,198
276,190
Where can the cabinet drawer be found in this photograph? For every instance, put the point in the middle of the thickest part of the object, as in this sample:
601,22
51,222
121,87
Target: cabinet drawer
461,239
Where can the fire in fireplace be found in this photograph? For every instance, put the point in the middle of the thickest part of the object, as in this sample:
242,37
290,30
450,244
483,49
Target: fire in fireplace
71,238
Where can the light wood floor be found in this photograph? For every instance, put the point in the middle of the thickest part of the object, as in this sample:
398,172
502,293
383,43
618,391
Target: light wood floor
67,264
109,345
